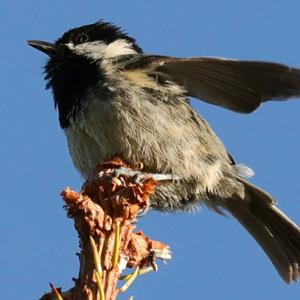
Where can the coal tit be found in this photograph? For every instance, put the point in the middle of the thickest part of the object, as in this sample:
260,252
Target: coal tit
114,100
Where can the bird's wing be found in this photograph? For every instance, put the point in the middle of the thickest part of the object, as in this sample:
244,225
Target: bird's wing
237,85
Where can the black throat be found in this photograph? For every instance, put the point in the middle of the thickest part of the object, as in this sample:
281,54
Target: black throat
70,78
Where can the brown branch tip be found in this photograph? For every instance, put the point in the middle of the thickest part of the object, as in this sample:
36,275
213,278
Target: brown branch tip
104,214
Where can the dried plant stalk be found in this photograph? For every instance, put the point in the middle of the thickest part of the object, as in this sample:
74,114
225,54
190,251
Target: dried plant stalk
104,213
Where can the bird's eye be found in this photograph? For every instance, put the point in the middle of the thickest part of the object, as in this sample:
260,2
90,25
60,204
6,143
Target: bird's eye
82,38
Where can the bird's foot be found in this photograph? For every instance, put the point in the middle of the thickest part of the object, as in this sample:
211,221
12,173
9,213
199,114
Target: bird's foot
139,176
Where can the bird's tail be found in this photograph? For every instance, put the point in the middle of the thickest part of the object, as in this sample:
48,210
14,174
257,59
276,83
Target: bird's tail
277,235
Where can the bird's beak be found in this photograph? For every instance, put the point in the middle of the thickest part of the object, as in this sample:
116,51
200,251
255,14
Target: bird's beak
47,48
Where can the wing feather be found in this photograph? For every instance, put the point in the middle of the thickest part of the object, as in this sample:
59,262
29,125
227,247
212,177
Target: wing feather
237,85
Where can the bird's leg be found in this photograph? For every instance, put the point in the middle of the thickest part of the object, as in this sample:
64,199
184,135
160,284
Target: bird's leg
140,176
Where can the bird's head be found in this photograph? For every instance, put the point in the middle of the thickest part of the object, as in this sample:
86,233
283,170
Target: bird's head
94,41
75,61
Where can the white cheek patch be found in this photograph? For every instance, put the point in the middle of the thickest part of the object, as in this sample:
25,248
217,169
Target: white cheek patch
93,50
118,47
100,50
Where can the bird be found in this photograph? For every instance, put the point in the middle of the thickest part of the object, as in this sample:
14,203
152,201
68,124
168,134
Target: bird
115,100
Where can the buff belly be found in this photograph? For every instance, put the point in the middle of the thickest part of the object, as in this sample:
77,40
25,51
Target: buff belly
169,139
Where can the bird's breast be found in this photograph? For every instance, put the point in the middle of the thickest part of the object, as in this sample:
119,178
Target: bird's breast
166,137
91,136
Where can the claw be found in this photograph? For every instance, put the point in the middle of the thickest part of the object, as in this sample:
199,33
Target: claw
143,211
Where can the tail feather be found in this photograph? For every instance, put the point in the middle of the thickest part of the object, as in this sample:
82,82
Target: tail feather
277,235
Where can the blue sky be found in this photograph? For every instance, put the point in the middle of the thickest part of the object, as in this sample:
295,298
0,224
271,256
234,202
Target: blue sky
213,256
